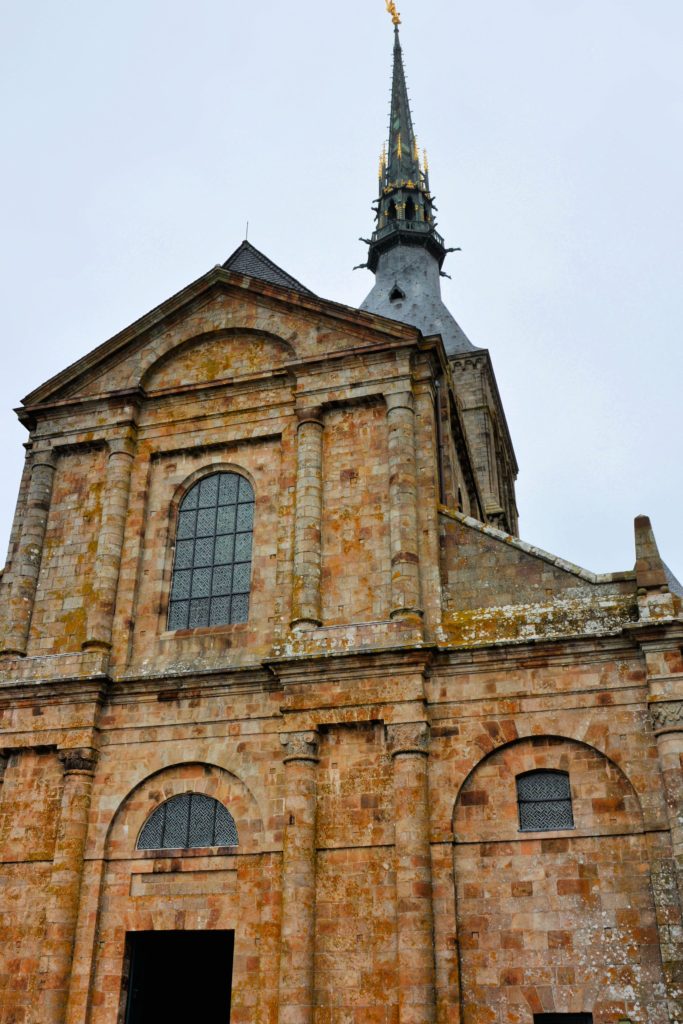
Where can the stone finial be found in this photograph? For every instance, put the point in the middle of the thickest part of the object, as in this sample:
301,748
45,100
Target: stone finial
300,746
650,571
80,759
409,738
655,601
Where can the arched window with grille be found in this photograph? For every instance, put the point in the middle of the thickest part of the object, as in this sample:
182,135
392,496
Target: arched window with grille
544,799
188,821
212,565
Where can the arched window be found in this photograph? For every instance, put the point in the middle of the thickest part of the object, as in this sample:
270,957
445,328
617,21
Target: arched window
212,566
545,801
396,294
189,821
391,212
410,209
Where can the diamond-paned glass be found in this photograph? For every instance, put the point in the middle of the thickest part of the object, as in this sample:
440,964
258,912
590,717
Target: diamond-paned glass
189,821
545,801
212,567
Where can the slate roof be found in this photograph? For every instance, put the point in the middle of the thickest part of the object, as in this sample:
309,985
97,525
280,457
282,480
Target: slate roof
249,261
674,586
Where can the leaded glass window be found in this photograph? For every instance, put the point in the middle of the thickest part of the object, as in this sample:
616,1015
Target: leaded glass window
545,801
188,821
212,567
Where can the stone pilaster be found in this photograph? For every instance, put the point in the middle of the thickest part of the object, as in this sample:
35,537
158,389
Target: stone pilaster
405,569
306,600
667,722
409,747
110,543
65,885
26,568
297,939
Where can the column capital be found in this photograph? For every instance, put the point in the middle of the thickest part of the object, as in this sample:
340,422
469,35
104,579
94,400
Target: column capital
400,400
667,716
79,759
309,414
43,457
409,738
300,746
122,445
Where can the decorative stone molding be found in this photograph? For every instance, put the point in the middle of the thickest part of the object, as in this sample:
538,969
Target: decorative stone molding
301,746
82,759
409,738
667,715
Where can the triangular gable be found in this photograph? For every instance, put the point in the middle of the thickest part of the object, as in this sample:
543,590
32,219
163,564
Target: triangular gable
218,281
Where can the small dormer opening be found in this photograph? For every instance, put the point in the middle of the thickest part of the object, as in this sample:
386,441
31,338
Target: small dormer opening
391,212
396,294
410,209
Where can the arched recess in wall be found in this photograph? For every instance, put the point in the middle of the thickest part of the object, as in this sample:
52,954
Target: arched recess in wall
185,777
193,889
547,901
602,796
214,356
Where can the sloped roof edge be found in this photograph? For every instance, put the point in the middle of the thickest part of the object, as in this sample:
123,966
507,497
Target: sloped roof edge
216,276
530,549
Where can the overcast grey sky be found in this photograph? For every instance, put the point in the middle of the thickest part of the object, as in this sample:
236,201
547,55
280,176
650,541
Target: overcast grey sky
139,137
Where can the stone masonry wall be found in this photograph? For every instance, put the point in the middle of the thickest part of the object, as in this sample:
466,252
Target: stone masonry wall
65,582
356,563
29,811
561,922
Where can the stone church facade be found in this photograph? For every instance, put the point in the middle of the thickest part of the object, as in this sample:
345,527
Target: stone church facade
291,720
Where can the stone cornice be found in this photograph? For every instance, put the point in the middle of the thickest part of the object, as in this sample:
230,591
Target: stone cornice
359,664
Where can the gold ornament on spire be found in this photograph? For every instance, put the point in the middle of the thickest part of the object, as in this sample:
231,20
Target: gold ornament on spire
395,16
382,163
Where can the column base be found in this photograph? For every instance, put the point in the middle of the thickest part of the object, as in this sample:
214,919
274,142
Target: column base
9,653
103,646
305,624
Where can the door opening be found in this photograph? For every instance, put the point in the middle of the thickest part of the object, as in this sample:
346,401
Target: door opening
176,977
563,1018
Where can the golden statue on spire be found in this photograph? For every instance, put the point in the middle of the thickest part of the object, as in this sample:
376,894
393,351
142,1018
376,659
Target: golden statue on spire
395,16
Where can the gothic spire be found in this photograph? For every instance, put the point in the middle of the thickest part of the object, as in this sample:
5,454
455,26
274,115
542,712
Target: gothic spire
406,252
403,165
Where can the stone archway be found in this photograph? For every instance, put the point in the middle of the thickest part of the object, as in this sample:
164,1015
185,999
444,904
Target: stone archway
554,922
132,891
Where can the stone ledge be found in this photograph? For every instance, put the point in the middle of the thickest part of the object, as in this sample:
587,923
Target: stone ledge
54,667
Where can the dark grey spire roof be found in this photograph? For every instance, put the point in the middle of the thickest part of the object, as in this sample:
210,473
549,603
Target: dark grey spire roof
249,261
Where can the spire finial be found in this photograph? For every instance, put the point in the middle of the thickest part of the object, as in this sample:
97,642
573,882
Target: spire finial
395,16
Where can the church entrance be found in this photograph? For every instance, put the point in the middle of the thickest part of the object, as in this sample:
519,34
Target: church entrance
563,1018
176,977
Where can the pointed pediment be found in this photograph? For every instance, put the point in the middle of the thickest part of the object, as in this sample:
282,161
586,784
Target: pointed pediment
260,322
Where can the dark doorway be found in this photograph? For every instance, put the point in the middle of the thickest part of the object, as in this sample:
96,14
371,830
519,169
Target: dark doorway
176,977
563,1018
